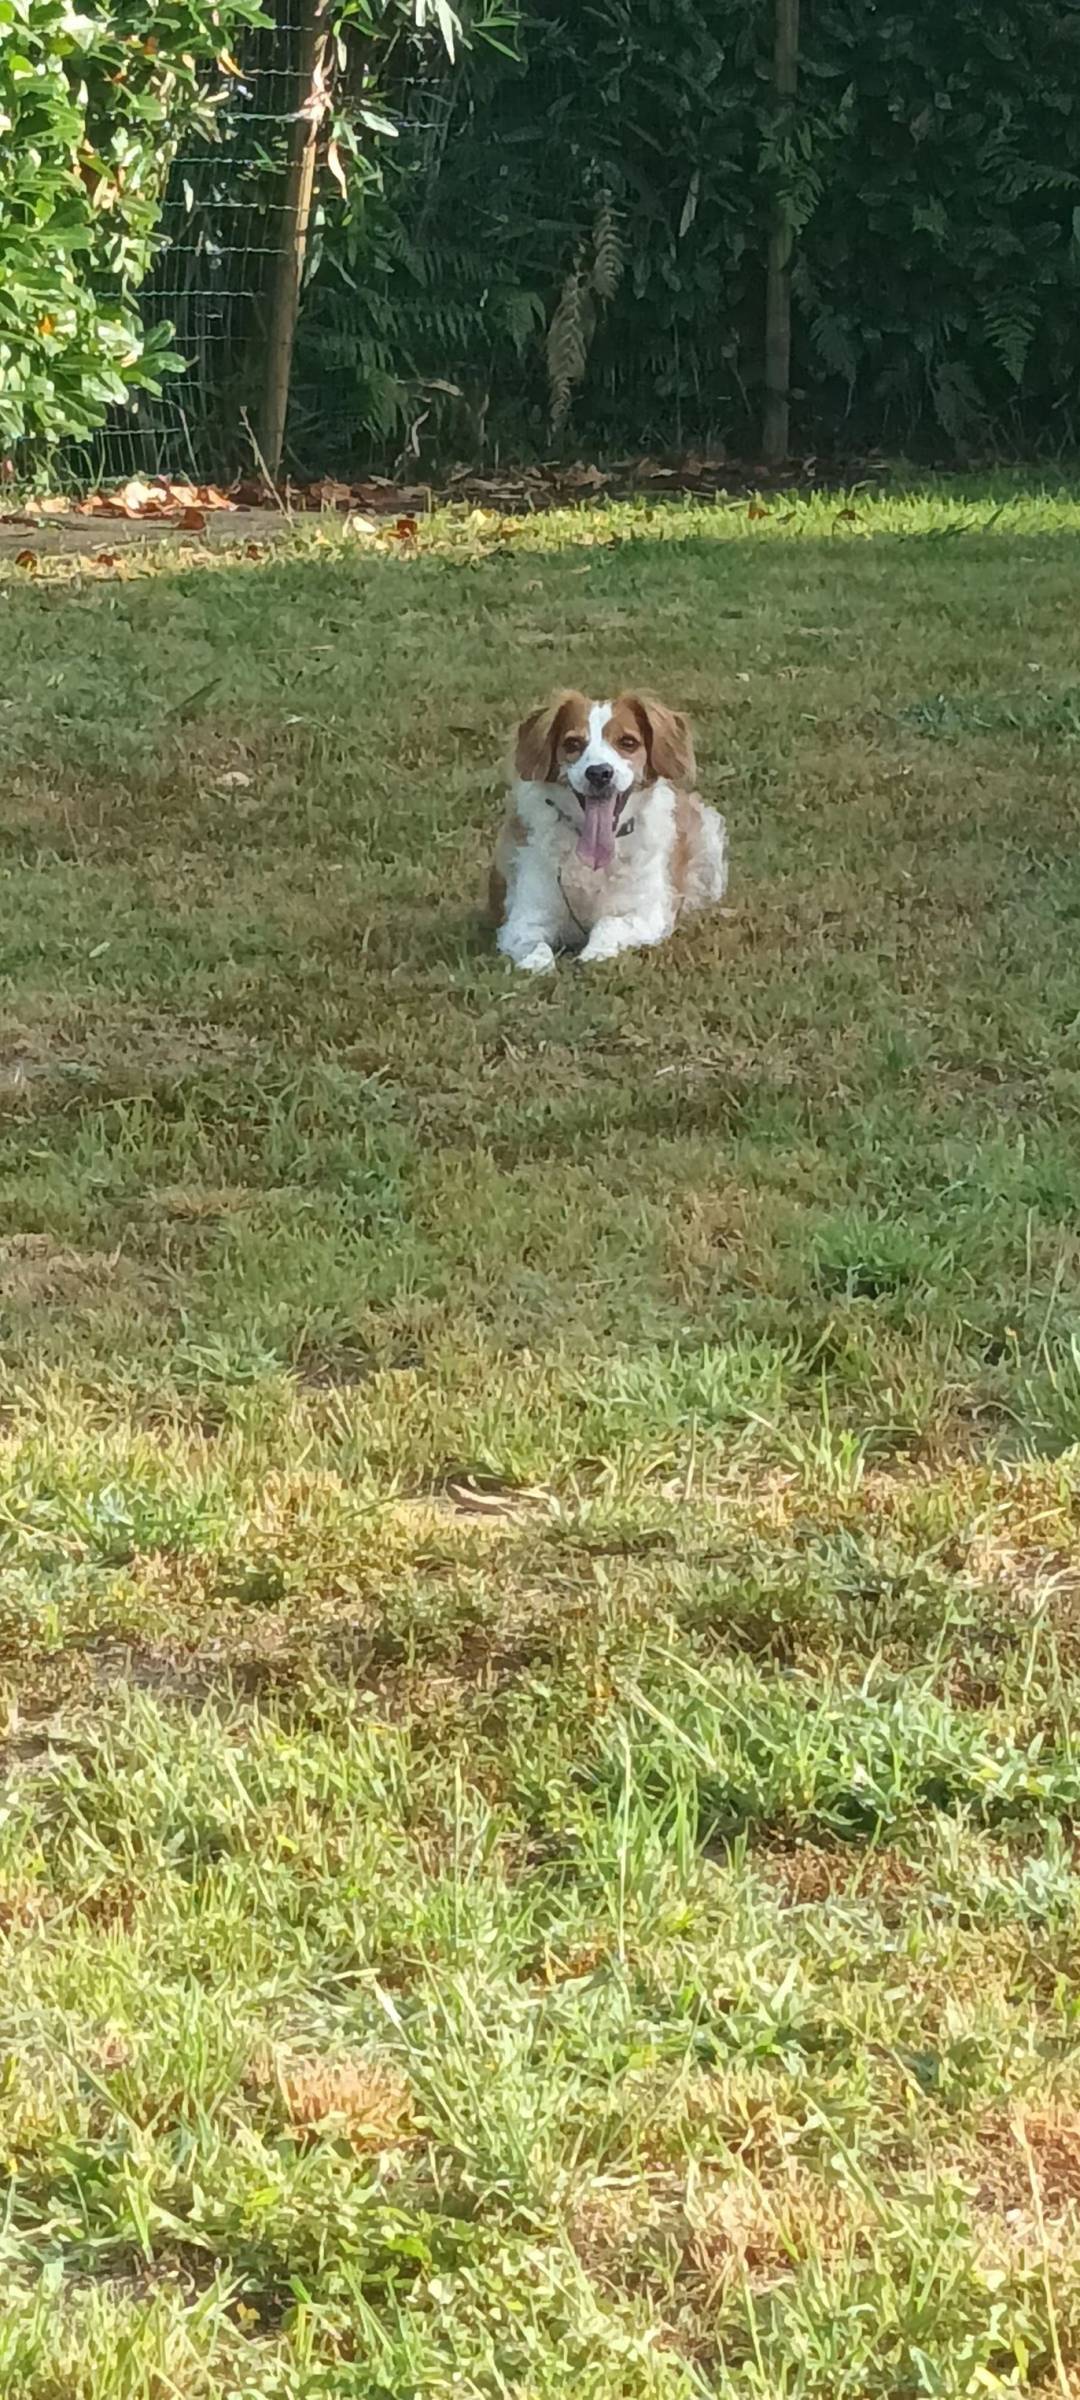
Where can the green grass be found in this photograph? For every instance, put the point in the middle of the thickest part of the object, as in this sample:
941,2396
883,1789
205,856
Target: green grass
540,1527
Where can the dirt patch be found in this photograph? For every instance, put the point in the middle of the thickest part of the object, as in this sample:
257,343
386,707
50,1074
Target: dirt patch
100,540
1030,2159
252,512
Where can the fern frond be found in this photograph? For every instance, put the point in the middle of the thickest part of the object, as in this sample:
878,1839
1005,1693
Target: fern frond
1010,327
609,252
831,335
958,403
585,289
519,313
569,334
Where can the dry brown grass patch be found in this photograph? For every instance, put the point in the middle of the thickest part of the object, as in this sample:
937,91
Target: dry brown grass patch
1043,2142
23,1906
696,2234
361,2101
35,1268
805,1876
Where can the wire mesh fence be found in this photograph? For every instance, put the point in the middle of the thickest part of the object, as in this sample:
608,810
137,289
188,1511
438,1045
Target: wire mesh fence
226,223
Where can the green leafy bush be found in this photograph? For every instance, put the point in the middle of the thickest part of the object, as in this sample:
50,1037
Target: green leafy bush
91,109
938,283
615,138
930,165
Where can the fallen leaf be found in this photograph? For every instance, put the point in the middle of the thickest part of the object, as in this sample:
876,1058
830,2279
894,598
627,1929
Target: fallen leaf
105,558
155,497
404,529
233,780
329,494
139,499
755,509
192,520
846,516
585,479
363,527
28,559
254,549
249,493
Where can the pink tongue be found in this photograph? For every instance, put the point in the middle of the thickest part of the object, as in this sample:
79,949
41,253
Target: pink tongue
596,841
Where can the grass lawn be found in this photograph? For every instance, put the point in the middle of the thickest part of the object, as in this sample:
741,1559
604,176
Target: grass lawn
540,1600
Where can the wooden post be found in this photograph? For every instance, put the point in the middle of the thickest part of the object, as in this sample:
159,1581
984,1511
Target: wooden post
288,272
775,438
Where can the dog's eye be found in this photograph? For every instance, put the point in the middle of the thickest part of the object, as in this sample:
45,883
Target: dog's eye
573,745
628,741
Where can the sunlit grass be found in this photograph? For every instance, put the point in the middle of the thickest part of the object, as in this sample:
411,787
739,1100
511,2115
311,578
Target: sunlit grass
539,1528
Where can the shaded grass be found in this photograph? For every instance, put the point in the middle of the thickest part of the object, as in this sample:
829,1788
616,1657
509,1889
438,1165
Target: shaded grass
539,1580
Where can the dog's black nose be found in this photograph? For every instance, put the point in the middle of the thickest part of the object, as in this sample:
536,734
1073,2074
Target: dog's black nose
598,778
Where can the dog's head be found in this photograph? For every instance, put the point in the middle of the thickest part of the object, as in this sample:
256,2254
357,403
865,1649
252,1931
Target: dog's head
601,751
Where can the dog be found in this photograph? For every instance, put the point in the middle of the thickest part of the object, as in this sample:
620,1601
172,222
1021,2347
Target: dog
605,844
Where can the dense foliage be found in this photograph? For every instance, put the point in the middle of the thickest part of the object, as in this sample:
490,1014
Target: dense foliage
940,272
546,221
931,166
91,109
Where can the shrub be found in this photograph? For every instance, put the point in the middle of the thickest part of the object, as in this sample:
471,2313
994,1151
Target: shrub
931,166
91,110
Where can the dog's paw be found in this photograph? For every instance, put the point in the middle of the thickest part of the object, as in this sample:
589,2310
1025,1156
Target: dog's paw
537,961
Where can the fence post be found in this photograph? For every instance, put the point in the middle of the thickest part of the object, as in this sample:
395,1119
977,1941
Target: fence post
310,108
775,437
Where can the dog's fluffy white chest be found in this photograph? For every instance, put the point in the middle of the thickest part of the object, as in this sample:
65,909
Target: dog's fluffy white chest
636,874
590,896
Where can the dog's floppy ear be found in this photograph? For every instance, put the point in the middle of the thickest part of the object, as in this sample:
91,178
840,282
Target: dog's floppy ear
538,737
668,740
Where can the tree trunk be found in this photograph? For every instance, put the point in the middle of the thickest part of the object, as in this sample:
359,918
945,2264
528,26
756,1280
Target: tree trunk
295,214
775,438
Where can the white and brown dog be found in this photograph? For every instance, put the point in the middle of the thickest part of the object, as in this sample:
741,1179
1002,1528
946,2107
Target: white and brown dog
605,844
